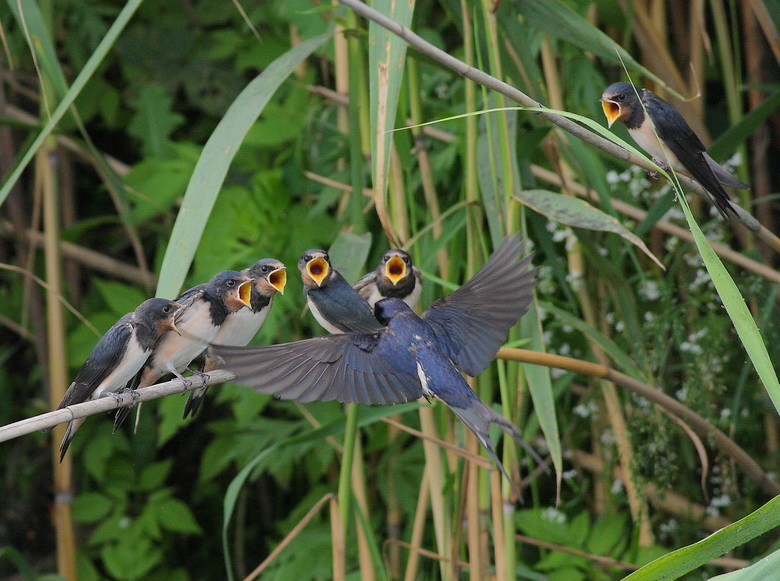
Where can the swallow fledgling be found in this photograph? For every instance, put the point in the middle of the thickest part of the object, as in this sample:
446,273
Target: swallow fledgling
411,357
675,145
204,309
118,356
337,306
395,277
240,327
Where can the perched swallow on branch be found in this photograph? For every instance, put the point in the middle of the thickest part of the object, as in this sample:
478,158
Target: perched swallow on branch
204,309
118,356
663,133
240,327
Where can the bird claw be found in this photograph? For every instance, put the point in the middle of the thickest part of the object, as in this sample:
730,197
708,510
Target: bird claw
123,411
201,374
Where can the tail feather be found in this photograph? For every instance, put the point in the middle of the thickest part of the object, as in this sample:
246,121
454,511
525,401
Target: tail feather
477,418
194,401
70,432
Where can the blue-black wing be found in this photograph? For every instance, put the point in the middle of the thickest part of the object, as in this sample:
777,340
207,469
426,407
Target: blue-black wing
343,306
681,140
351,367
472,323
101,362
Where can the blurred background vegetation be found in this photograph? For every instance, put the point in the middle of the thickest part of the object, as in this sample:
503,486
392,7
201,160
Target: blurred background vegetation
87,227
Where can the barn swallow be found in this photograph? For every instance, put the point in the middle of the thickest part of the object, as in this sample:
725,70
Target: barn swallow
675,145
395,277
204,309
409,358
240,327
337,306
118,356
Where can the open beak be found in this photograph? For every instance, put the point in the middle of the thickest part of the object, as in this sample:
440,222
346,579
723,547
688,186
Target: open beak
172,321
395,269
611,111
245,292
278,279
318,269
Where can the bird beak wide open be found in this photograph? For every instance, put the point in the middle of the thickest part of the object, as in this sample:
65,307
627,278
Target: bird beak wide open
611,111
318,269
244,292
172,321
395,269
278,279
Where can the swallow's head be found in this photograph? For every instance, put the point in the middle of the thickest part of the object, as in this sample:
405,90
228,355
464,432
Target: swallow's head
618,102
396,266
270,276
315,267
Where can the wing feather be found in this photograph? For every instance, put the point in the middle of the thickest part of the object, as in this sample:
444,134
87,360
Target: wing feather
351,367
471,323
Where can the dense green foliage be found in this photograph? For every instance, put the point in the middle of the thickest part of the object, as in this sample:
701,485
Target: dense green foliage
151,503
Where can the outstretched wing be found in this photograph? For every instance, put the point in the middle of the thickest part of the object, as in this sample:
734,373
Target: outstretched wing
472,322
353,368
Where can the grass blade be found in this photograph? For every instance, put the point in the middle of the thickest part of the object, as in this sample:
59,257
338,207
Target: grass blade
215,160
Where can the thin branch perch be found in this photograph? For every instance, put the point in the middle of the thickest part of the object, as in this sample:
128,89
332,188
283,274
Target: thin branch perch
105,404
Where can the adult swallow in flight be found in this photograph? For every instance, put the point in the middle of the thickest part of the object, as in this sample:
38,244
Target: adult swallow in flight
411,357
204,309
395,277
676,144
240,327
118,356
337,306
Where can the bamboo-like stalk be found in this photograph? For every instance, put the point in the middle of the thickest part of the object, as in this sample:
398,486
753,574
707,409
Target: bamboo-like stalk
421,151
418,526
434,470
367,572
58,362
345,475
476,502
338,542
499,543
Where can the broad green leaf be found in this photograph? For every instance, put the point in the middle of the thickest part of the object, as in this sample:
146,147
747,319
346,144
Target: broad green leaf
386,60
95,59
91,507
349,252
540,386
214,162
579,214
174,515
154,121
131,558
679,562
762,570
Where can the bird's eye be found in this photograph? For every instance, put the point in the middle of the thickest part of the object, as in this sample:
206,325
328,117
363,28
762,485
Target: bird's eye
619,97
166,309
231,282
406,259
264,268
